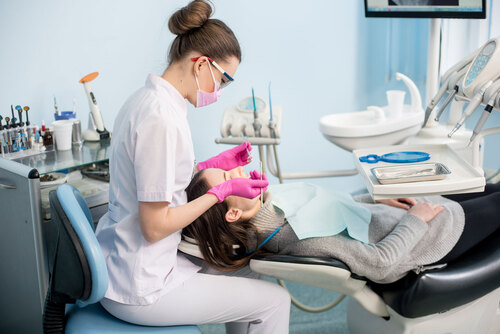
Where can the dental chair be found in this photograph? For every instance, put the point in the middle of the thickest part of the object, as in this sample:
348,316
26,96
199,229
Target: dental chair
78,274
461,297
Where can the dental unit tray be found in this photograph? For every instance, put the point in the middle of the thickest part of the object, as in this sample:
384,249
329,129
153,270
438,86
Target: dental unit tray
462,177
396,157
410,173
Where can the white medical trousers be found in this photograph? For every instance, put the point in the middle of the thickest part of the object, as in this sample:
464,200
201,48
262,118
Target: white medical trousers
208,299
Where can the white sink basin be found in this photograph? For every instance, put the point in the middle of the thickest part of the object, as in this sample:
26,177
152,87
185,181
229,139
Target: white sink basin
370,128
364,129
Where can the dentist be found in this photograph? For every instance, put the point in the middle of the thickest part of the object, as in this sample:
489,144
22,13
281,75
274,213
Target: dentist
151,164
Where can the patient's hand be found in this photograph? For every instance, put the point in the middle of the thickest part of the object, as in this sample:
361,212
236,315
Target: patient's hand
402,203
426,211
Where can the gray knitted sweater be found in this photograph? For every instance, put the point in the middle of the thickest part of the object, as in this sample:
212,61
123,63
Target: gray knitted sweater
399,242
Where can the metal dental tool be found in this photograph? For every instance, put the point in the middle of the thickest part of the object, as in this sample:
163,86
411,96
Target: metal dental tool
490,96
261,192
484,116
474,103
249,159
479,76
447,79
272,130
257,126
453,88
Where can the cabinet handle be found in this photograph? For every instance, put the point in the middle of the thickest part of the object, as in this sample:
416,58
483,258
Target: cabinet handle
7,186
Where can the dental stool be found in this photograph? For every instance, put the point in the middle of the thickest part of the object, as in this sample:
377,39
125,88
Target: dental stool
461,298
78,274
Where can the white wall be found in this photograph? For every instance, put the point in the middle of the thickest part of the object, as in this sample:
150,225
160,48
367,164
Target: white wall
322,57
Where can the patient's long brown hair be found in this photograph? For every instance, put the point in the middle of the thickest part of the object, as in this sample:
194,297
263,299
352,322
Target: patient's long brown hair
215,236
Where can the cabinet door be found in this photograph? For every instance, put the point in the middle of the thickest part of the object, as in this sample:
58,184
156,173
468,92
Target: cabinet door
23,273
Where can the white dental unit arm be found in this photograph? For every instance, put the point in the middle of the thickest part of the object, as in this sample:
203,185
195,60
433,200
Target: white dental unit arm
96,130
475,79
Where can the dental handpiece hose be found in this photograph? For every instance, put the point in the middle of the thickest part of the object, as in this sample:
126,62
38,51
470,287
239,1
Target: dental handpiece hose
474,103
435,100
446,102
484,117
452,82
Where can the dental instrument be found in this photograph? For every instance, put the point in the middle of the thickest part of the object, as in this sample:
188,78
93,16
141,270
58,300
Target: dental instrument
489,98
249,159
256,124
453,90
261,197
474,103
56,109
272,131
26,109
13,117
484,116
479,76
270,103
96,130
449,77
19,111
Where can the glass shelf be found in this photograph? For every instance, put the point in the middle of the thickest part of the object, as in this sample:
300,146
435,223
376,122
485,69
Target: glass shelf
54,161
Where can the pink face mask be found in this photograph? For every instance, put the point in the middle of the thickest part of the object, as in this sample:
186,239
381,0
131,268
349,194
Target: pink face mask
205,98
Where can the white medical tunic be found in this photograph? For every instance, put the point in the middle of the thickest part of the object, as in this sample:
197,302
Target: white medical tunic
151,160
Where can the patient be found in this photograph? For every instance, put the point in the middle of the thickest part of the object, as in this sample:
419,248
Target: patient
403,234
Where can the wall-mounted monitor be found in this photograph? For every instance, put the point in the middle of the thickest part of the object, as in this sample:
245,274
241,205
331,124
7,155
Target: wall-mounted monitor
426,8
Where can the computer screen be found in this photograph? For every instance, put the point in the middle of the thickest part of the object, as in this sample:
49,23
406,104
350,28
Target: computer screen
426,8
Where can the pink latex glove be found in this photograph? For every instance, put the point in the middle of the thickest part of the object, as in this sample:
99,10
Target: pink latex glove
240,186
255,175
235,157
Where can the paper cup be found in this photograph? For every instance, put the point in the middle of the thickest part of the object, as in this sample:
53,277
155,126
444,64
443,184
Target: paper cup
395,102
62,134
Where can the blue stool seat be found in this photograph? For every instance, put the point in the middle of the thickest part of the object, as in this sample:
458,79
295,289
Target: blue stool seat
95,319
78,274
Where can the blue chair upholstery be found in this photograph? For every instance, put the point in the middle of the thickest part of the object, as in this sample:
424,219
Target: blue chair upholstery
78,273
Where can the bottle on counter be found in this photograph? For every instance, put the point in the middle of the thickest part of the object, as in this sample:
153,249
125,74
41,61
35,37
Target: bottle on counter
48,139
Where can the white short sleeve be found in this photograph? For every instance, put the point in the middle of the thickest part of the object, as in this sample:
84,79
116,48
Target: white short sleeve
155,156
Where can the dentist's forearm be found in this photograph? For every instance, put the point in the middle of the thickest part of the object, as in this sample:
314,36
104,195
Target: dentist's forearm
158,221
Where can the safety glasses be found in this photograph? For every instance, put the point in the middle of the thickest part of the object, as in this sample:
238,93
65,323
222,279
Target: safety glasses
226,78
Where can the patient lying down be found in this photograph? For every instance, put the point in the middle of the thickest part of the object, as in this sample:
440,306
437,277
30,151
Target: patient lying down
403,234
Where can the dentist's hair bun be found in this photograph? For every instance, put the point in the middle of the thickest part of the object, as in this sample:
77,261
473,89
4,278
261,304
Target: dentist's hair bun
192,16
